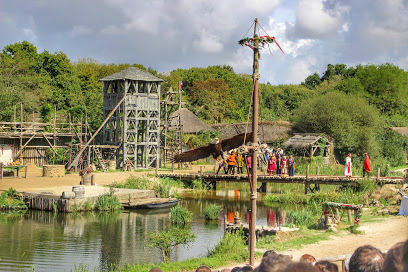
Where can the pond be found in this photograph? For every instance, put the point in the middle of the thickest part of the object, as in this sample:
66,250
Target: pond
46,242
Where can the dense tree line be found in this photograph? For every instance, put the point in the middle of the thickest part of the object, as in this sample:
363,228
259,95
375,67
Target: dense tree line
354,105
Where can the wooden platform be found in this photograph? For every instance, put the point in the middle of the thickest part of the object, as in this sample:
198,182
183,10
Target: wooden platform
298,179
261,231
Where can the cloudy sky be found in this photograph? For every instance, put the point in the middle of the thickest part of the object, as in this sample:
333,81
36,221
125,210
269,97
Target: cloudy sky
171,34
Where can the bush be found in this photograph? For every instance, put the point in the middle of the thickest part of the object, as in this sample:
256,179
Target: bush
180,216
212,212
108,202
231,244
168,239
11,200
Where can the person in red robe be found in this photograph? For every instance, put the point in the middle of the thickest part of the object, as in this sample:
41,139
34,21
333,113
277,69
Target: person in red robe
366,166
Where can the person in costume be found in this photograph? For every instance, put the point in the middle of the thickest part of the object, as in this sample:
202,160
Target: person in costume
271,165
222,164
347,168
278,162
284,166
366,166
231,163
240,163
291,163
249,163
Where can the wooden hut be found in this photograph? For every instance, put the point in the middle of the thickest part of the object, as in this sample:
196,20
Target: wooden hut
268,132
310,143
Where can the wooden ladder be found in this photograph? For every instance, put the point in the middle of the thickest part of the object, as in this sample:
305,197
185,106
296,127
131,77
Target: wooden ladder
100,159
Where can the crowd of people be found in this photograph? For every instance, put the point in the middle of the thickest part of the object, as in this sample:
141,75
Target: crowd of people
277,163
364,259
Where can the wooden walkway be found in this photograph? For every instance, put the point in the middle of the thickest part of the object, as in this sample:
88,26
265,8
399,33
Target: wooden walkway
299,179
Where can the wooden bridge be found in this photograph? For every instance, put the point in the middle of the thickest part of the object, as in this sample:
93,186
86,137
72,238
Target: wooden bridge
307,180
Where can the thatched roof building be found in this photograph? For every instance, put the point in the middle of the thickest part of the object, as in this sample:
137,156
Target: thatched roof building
401,130
309,143
189,121
268,131
133,73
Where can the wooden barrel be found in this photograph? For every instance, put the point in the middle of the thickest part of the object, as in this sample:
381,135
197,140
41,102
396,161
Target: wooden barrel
68,195
87,179
79,191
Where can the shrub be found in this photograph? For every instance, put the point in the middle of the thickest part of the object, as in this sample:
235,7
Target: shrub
232,244
180,216
212,212
168,239
108,202
10,199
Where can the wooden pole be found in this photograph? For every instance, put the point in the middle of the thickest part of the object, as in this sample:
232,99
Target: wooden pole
252,221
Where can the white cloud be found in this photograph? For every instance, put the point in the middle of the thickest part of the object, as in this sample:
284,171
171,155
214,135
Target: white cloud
314,21
80,30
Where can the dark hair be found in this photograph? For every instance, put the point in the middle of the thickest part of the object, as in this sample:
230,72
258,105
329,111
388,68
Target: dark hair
405,255
203,269
235,269
299,267
307,258
270,253
274,263
326,266
366,258
393,261
246,268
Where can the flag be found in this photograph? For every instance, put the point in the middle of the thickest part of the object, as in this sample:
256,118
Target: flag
181,84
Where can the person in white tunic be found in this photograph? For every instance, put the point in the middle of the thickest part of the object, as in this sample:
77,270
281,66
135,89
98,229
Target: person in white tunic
347,167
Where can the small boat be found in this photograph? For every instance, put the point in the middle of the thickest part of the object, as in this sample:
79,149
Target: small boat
153,203
159,205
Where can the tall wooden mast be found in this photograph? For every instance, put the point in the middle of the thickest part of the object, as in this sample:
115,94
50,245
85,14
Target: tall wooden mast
255,77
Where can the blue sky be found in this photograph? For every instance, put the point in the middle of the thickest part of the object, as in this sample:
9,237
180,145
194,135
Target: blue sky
171,34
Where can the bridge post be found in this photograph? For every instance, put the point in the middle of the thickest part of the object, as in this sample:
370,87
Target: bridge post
201,171
378,173
307,180
172,167
317,170
262,189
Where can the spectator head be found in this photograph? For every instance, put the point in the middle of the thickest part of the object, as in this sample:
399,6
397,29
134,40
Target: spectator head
307,258
271,253
405,256
246,268
326,266
226,270
274,263
155,269
299,267
203,269
235,269
394,260
366,258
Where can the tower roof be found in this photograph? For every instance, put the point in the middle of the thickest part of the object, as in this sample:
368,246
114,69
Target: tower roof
132,73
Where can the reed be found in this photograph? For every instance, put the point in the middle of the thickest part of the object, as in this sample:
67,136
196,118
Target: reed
180,216
108,202
212,212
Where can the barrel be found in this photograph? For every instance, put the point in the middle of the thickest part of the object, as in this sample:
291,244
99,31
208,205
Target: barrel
68,195
79,191
87,179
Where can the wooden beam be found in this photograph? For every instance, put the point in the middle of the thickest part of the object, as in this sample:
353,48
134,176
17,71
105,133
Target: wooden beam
75,161
55,151
22,148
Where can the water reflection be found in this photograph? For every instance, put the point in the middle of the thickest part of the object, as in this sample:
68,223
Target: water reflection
48,242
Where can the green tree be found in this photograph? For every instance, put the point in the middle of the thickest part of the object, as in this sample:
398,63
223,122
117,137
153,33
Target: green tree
350,120
167,240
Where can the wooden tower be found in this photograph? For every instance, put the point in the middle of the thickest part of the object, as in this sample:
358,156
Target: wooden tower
135,125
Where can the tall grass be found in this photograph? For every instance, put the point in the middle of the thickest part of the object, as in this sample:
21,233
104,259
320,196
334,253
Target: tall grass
232,244
108,202
180,216
212,212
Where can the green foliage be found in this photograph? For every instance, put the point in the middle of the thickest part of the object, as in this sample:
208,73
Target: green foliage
180,216
232,244
348,119
132,182
203,138
108,202
168,239
212,212
393,147
11,200
301,218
